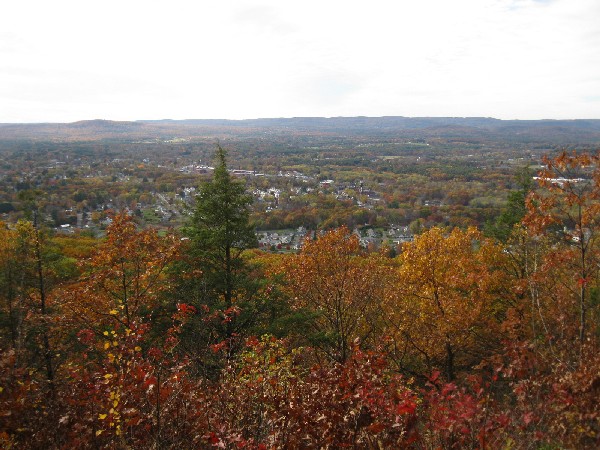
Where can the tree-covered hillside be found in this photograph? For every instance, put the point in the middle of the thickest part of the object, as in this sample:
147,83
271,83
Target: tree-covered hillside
194,338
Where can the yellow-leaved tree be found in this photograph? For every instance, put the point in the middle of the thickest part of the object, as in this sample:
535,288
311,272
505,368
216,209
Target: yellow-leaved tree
448,301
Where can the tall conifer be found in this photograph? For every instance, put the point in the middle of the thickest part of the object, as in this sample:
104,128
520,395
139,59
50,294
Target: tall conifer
220,231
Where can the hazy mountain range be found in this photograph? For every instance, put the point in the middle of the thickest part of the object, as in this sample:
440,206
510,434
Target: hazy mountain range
557,132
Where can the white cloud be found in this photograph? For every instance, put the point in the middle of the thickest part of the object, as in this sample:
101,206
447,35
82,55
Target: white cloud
69,60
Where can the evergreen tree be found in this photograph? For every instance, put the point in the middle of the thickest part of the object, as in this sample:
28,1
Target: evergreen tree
219,232
515,209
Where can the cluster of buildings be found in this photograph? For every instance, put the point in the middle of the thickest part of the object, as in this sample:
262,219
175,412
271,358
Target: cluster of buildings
282,240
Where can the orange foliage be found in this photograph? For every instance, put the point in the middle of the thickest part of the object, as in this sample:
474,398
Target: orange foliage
566,209
124,276
332,277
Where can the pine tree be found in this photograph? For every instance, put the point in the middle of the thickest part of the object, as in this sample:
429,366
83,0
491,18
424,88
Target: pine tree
514,210
219,232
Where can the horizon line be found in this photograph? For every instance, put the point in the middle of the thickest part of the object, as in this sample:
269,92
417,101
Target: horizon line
293,118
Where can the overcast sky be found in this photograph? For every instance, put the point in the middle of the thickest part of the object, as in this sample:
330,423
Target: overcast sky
62,61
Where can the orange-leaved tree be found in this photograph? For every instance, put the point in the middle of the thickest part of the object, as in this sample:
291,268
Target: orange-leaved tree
566,208
128,381
124,277
334,279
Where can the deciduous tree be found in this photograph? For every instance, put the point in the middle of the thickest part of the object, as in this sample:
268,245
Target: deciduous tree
123,279
567,208
445,308
333,278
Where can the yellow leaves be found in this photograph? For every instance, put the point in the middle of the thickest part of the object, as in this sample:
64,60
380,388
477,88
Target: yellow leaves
113,312
446,289
106,345
107,376
99,432
138,349
102,416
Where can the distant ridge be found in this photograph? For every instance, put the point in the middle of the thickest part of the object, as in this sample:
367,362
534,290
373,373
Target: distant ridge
102,123
578,132
384,121
391,122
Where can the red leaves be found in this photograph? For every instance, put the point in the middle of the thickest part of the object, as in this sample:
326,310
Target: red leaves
407,407
253,342
230,314
86,336
155,353
528,417
186,309
150,382
216,348
213,439
376,427
346,404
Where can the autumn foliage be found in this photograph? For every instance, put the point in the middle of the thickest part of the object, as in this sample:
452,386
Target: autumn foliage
343,286
449,301
457,342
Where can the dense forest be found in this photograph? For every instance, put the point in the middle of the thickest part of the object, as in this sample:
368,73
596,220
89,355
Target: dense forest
479,332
